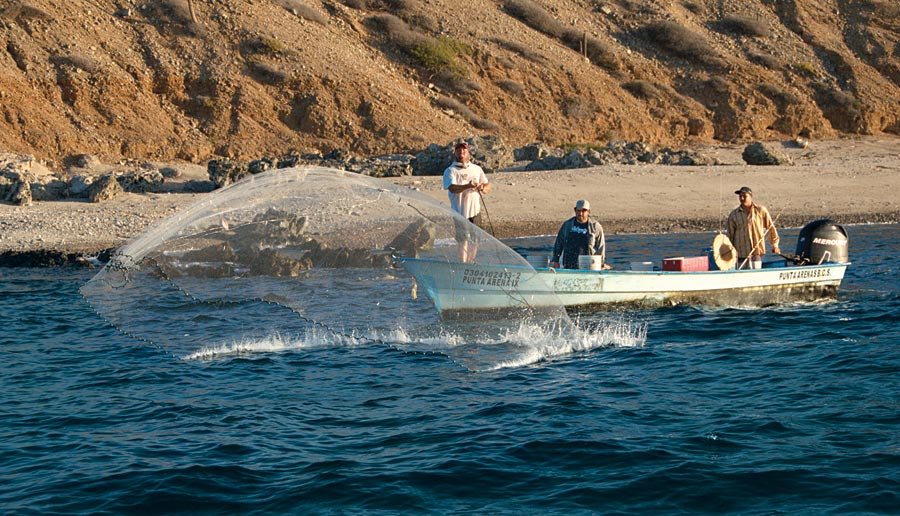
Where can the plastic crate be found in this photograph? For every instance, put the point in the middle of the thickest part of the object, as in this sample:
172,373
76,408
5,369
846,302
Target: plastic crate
686,264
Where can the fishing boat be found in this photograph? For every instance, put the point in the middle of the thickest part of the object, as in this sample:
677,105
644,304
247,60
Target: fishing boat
460,289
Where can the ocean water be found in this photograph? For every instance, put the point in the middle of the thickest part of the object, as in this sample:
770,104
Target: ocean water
787,410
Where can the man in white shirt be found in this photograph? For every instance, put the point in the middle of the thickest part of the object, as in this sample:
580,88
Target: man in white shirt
465,182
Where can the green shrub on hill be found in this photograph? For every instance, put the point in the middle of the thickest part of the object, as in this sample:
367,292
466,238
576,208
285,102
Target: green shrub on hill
441,53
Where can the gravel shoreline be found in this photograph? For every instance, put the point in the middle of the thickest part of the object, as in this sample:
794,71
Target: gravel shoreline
51,234
849,181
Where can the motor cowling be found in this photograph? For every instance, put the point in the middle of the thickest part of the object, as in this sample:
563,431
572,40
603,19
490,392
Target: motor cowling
821,241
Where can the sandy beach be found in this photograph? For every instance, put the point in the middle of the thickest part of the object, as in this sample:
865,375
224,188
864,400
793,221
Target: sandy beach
848,180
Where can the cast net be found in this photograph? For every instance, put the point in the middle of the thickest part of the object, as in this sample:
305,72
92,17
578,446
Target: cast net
294,257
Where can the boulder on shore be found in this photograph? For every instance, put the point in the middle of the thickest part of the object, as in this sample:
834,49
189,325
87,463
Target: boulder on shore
758,153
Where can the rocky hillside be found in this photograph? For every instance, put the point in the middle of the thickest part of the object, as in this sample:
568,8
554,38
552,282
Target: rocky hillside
190,80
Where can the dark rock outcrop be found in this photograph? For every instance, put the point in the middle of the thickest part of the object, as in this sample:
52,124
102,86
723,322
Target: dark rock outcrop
490,152
104,188
536,151
223,172
758,153
15,186
626,153
141,180
418,236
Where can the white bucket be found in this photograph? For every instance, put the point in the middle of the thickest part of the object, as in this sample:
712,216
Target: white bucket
538,261
642,266
592,262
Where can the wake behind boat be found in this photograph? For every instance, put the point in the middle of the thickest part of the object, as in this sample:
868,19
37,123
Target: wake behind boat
458,288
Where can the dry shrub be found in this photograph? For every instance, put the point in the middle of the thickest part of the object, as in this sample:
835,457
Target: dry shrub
455,106
395,6
521,50
267,73
578,108
456,83
778,95
304,11
23,11
843,110
745,26
400,5
177,10
683,42
397,31
885,9
765,60
506,62
483,123
844,101
79,61
424,22
174,15
463,111
360,5
598,52
672,94
642,89
533,15
510,86
718,84
695,7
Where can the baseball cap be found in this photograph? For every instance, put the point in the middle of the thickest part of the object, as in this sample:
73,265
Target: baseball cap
582,205
744,189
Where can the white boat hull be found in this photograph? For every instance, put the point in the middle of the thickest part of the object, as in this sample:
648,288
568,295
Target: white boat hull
457,288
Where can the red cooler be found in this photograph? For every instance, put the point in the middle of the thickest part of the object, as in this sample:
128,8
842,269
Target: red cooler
686,264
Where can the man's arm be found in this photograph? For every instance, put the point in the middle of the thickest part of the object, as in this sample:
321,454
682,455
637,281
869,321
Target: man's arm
460,188
600,243
774,239
558,245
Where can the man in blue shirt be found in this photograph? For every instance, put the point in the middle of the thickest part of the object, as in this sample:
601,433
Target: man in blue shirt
578,235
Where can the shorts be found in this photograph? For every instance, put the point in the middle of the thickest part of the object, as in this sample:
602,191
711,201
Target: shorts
465,231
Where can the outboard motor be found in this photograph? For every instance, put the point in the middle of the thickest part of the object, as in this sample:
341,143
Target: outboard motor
821,241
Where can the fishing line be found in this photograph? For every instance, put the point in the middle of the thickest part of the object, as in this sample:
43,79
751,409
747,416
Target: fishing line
484,207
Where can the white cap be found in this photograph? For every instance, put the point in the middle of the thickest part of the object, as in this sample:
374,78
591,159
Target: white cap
582,205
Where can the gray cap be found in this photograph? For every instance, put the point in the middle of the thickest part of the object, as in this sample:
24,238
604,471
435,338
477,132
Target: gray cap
582,205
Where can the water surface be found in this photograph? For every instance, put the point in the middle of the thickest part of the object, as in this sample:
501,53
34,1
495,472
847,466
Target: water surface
788,410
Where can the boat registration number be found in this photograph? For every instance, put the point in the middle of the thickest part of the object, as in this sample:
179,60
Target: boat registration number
563,284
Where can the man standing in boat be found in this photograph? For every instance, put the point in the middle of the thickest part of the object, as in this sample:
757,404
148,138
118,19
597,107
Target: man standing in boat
748,226
578,235
465,182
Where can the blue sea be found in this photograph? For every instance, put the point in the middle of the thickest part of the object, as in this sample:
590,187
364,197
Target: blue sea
791,410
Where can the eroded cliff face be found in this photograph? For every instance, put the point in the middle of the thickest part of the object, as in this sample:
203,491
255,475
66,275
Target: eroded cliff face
172,79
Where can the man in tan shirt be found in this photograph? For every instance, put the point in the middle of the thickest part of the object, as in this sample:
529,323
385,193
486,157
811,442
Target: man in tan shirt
748,226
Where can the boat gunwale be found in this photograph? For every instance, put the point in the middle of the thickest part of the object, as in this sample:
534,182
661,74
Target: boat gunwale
625,271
